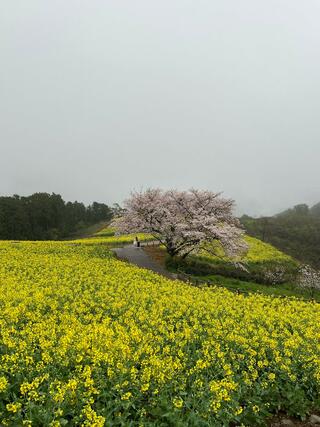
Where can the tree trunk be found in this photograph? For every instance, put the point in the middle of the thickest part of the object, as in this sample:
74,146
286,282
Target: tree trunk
170,249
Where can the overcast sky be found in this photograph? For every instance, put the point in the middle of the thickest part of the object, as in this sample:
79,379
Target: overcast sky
99,97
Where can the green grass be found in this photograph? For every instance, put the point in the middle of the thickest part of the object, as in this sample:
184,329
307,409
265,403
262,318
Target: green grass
105,232
286,289
260,259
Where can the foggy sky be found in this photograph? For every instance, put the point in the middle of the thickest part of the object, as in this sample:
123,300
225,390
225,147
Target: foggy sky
98,98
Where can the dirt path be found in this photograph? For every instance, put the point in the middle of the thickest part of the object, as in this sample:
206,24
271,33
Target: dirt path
141,258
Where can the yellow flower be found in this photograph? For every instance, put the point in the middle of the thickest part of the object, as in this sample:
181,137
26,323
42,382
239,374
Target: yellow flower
215,406
126,396
72,309
25,387
145,387
3,384
271,376
91,417
177,402
13,407
239,410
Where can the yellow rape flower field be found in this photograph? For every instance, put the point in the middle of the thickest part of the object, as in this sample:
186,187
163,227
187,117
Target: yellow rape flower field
258,251
112,239
88,340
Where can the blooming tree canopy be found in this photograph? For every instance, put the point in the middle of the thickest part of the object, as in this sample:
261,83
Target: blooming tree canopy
309,278
183,221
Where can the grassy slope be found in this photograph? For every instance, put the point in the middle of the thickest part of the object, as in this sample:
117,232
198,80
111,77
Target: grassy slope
260,257
88,231
258,252
285,289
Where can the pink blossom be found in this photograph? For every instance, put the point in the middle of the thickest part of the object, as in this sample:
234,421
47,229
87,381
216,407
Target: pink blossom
183,221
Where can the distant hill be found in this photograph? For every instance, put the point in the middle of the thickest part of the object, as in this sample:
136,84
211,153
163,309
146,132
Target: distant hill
315,210
295,231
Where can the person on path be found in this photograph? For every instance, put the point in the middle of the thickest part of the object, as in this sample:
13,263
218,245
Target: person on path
136,242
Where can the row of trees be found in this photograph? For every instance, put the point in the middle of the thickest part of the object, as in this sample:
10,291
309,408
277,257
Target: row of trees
295,231
44,216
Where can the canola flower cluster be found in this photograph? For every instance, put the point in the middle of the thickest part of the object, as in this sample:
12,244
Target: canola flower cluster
112,240
86,340
258,252
261,251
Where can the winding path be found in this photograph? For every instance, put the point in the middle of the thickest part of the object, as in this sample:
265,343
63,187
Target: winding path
140,258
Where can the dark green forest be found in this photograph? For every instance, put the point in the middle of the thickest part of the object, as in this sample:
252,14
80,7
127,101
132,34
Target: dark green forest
295,231
43,216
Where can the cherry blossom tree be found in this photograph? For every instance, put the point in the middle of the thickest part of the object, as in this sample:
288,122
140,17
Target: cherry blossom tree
309,279
184,221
